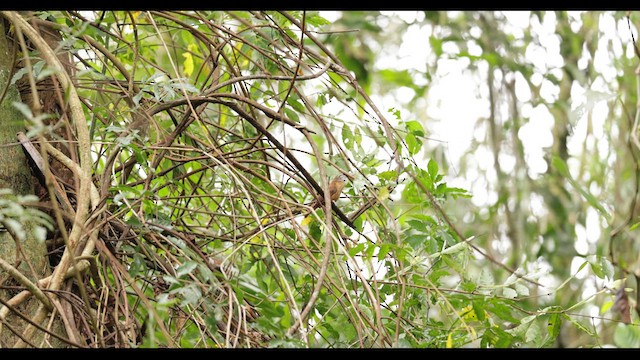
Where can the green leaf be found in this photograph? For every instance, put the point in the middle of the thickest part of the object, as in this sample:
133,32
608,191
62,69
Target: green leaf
415,241
454,192
432,169
627,336
601,266
296,104
496,337
414,127
315,230
605,307
436,275
468,286
397,77
347,137
509,293
497,307
478,309
191,294
357,136
436,45
553,325
411,193
316,20
186,268
285,320
20,73
369,250
321,100
388,175
453,262
384,250
521,289
533,334
292,115
491,57
395,113
425,218
356,249
24,109
413,144
137,266
358,223
427,181
417,225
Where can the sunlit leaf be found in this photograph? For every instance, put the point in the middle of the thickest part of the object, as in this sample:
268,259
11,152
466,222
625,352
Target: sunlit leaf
187,64
606,306
432,168
413,144
305,222
388,175
356,249
383,193
414,127
384,250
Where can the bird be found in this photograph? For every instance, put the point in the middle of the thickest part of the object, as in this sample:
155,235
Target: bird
335,189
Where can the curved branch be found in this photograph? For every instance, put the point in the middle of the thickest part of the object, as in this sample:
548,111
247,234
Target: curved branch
215,98
35,290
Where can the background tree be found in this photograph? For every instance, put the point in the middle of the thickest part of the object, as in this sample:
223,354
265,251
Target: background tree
556,111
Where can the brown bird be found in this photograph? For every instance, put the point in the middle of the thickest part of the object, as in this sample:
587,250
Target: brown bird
335,189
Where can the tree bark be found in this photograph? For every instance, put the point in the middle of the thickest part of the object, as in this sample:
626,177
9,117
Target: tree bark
16,175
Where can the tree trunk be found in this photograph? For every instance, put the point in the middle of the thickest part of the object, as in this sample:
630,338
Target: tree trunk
15,175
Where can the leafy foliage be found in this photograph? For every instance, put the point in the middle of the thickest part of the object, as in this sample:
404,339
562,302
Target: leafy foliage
212,134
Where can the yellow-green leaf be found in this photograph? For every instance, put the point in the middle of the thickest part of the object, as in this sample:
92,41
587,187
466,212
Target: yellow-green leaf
188,63
606,306
306,221
383,193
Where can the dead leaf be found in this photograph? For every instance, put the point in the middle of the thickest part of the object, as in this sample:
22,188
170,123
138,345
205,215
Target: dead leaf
621,304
